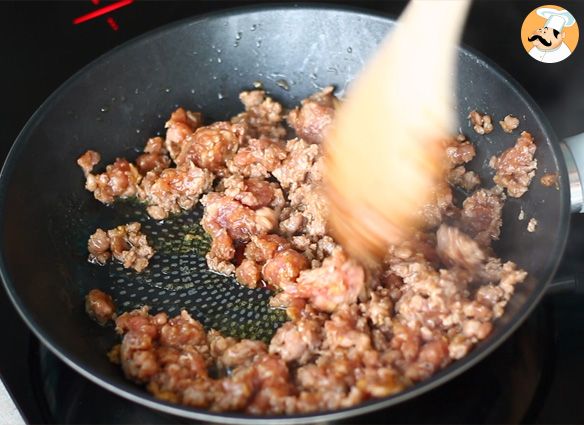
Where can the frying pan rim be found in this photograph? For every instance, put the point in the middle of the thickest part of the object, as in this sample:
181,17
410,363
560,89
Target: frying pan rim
138,394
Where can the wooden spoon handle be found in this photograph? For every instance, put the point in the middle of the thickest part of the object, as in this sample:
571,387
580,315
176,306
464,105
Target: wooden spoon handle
384,156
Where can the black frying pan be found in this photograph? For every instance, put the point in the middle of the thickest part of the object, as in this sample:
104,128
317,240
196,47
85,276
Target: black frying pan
116,102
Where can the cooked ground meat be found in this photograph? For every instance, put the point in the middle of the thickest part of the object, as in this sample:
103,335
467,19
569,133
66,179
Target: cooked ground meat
482,124
120,179
291,222
88,160
125,243
521,215
337,365
224,212
253,192
481,215
338,281
549,180
468,180
284,268
174,189
314,116
165,190
258,159
222,251
314,251
294,306
241,353
211,146
262,116
509,123
98,246
436,302
295,168
228,220
155,157
440,208
248,273
100,306
263,248
297,341
181,125
532,225
457,249
354,332
174,356
264,255
309,200
459,151
500,279
516,166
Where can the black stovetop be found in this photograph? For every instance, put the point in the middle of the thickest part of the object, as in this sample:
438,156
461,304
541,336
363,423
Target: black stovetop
535,376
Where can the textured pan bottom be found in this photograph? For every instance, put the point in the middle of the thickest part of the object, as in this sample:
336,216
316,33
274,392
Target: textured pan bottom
177,277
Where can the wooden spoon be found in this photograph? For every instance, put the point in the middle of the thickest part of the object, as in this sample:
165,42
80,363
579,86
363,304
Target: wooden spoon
384,154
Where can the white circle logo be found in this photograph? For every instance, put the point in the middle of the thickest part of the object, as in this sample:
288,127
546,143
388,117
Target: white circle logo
549,34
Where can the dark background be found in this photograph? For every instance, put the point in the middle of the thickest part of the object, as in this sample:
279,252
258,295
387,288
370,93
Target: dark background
41,48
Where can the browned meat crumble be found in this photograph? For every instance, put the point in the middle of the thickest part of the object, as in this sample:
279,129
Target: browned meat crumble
155,157
515,167
549,180
180,125
481,123
125,243
314,116
262,117
174,189
354,333
100,306
481,215
459,151
509,123
120,179
521,215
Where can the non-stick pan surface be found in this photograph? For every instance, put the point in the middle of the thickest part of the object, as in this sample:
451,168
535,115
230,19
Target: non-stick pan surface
114,104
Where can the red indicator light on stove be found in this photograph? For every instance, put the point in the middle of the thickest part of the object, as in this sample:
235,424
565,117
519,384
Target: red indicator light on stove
102,11
112,23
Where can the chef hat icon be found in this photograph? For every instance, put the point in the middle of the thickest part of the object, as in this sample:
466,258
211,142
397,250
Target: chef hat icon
556,19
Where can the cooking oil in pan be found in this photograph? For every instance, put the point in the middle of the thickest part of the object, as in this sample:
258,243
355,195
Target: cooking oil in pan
178,276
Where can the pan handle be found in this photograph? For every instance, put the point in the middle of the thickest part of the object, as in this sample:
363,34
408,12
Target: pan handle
573,150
